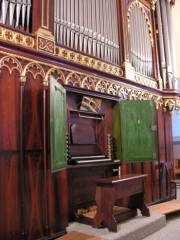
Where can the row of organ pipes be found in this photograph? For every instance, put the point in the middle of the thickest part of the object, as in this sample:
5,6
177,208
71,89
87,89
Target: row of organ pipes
166,44
16,13
91,26
140,42
88,26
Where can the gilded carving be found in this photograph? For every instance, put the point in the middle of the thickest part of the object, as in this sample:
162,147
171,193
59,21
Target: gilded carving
73,79
45,41
35,69
17,38
88,61
11,63
153,4
144,80
22,79
45,45
88,83
56,73
85,81
170,104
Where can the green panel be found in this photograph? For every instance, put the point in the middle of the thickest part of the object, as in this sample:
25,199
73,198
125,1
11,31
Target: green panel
58,126
137,140
116,130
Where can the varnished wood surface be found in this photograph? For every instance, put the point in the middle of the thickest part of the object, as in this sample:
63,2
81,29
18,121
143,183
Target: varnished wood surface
27,186
110,190
118,179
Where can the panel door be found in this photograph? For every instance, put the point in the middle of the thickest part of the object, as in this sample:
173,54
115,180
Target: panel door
58,125
135,130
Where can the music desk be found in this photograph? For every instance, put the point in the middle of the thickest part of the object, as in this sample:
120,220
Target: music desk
109,190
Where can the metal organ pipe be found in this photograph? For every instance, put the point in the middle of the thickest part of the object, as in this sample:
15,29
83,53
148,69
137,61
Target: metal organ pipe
140,42
89,26
161,44
166,43
16,13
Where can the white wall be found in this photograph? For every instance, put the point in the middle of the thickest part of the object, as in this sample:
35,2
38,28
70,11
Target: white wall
176,33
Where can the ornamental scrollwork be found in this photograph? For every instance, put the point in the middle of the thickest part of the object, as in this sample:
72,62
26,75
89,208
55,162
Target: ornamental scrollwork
81,80
171,104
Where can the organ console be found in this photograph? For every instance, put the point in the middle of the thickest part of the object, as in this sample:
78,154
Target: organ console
90,147
84,124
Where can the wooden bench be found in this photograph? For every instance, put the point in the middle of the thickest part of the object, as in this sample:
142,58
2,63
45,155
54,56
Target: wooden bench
109,190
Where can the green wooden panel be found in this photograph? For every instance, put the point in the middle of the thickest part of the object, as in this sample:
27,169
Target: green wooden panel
135,130
58,126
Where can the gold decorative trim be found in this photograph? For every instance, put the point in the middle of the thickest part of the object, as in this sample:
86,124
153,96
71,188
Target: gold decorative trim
45,41
74,78
171,104
17,38
83,81
153,3
138,78
144,80
88,61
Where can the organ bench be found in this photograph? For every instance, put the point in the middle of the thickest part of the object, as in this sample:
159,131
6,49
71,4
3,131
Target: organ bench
109,190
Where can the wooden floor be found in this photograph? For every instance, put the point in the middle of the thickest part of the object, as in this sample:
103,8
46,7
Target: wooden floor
78,236
166,207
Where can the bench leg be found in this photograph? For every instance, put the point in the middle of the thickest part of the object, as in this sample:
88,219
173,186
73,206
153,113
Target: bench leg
137,201
104,215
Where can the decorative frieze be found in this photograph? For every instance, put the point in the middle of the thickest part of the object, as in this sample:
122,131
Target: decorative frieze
16,38
73,78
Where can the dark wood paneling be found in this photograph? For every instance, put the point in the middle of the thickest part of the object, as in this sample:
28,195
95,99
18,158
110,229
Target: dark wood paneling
33,201
10,217
9,109
34,204
82,185
33,114
57,201
10,220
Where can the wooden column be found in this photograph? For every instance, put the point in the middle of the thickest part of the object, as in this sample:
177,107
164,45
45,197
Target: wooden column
45,158
124,40
157,75
22,172
44,25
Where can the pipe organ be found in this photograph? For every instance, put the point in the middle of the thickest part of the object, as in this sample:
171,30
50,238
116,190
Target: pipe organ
16,13
140,40
88,26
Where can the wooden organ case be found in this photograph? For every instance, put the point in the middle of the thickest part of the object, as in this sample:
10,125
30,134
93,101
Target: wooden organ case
91,48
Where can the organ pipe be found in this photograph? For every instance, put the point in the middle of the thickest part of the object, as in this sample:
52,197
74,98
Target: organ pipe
140,41
88,26
16,13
